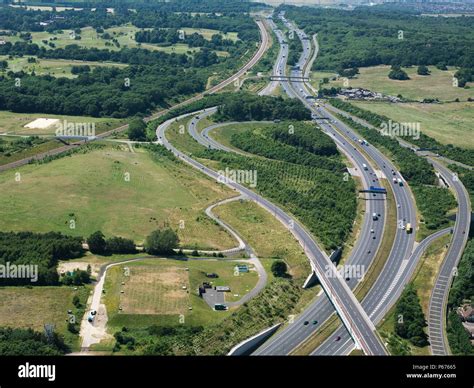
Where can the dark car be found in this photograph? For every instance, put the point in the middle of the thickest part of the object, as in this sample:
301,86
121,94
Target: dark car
338,338
306,323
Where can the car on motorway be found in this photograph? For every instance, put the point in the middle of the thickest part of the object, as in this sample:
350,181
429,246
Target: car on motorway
306,323
375,216
338,338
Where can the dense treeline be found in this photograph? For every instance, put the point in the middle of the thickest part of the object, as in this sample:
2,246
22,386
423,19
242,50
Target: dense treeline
98,244
323,200
376,35
295,48
434,203
248,107
103,92
467,178
409,318
26,342
458,154
458,336
281,143
304,137
43,250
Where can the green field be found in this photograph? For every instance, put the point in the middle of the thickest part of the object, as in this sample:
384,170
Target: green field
125,36
207,33
14,123
53,67
224,134
91,190
23,307
449,123
153,291
265,234
437,85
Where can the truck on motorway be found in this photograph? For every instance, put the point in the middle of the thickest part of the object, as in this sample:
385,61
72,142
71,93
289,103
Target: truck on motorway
395,180
409,228
365,166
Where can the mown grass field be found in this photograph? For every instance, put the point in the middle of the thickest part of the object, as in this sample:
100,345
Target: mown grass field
92,190
53,67
14,123
34,307
437,85
449,123
153,291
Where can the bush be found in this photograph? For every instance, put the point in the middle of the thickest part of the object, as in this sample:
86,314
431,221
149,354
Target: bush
423,70
398,74
279,269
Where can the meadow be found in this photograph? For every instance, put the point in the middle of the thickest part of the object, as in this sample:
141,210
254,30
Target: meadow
437,85
91,192
449,123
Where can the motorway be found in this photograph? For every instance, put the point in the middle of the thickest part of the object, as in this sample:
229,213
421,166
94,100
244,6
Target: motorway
361,256
440,292
398,267
348,308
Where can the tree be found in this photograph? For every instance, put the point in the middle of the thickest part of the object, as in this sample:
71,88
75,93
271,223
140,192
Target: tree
97,243
137,130
279,269
397,73
161,242
423,70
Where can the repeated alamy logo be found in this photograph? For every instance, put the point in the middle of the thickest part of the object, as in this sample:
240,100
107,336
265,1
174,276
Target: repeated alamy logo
348,271
19,271
393,129
248,177
67,129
